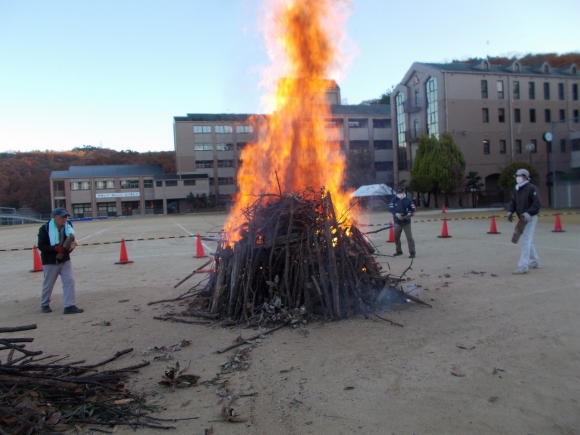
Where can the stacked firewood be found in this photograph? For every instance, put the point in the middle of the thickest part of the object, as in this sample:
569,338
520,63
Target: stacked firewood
42,394
294,257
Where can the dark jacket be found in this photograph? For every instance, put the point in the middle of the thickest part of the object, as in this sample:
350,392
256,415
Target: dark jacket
48,251
526,199
404,206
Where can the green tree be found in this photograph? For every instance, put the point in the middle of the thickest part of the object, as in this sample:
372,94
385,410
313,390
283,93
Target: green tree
473,185
190,199
507,180
442,161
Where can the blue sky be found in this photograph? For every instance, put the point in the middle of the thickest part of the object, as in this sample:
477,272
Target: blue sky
114,73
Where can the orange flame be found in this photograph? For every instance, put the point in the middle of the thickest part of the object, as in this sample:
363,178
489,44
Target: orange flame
295,147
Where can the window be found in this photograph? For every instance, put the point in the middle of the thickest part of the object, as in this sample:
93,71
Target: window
562,114
517,115
202,128
560,91
225,181
500,93
535,144
383,166
158,183
223,146
244,129
358,123
225,163
401,128
104,184
189,182
223,129
383,144
546,91
516,90
147,184
402,154
502,147
432,114
532,90
381,123
518,146
486,146
532,115
575,144
562,145
336,123
485,114
129,184
547,115
417,99
359,145
484,89
82,210
575,91
576,117
171,183
416,130
204,163
241,145
80,185
58,188
501,115
203,146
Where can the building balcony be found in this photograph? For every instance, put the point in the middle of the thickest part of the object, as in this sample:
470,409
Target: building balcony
411,107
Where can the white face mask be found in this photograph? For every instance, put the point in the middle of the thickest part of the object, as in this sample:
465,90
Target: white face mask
520,180
400,195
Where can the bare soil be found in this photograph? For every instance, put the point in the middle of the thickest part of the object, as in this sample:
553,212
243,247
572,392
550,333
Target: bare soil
513,339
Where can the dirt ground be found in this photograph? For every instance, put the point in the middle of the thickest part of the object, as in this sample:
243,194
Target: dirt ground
516,339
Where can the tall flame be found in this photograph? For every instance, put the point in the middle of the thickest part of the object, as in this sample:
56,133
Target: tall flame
295,147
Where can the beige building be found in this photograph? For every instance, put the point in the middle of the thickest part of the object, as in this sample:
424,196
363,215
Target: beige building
497,115
211,143
123,190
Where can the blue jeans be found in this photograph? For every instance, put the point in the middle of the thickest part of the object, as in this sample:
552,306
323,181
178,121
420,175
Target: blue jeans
51,273
528,255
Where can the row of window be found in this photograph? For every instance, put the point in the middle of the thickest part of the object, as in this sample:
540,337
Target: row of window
531,90
223,129
501,115
221,146
133,184
533,148
203,164
223,181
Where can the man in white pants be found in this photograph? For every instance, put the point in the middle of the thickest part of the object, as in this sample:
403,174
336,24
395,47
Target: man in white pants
56,261
525,202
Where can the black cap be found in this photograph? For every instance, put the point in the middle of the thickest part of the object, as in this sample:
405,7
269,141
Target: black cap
60,211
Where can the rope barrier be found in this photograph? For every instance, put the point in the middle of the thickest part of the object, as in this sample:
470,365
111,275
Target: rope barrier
209,239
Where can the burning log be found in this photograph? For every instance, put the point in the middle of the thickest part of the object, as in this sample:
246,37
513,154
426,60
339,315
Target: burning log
294,257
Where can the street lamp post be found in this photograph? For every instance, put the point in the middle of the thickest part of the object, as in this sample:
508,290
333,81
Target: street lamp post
530,147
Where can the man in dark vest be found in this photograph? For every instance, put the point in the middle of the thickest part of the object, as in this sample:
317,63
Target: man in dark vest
56,242
403,210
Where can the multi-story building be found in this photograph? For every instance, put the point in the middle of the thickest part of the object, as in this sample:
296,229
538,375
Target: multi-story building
211,143
123,190
496,114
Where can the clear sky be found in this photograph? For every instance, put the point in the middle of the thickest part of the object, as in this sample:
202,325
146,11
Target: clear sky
114,73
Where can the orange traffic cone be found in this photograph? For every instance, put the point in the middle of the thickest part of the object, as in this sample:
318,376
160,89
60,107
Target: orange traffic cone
443,208
558,225
36,263
493,227
444,232
200,253
391,234
123,258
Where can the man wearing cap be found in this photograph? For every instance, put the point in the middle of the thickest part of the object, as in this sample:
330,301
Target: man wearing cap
525,202
402,209
56,260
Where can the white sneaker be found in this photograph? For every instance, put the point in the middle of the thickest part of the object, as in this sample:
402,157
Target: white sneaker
520,271
535,265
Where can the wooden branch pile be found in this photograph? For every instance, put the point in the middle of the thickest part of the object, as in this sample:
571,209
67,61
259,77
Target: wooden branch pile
295,258
41,395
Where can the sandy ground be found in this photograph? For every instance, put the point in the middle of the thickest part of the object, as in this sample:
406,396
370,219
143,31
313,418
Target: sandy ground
515,338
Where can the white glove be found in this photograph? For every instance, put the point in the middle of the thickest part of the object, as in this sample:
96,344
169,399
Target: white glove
527,217
399,216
